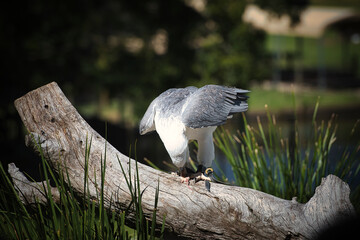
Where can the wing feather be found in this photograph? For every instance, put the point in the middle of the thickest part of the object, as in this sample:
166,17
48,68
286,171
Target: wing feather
212,105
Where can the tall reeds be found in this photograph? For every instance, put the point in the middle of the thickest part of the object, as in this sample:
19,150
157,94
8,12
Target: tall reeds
75,216
266,159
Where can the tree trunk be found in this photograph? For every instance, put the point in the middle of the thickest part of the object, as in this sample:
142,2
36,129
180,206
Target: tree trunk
227,212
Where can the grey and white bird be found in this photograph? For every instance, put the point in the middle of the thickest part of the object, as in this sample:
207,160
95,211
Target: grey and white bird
183,114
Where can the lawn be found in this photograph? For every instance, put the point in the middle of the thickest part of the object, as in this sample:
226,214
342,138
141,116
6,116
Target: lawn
117,111
304,98
337,55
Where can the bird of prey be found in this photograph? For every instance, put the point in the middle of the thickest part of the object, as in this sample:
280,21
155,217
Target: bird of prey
183,114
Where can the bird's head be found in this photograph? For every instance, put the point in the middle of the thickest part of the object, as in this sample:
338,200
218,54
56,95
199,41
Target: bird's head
145,127
147,122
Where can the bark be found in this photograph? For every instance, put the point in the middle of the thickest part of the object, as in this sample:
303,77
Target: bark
227,212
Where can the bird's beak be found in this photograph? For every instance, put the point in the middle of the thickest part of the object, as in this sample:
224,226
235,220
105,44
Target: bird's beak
141,131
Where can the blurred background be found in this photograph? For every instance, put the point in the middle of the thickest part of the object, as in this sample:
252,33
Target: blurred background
111,58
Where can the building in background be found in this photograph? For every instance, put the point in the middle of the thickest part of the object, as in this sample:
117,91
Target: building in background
323,49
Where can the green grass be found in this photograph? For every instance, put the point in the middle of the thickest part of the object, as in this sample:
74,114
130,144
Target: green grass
76,216
283,101
264,158
259,96
332,45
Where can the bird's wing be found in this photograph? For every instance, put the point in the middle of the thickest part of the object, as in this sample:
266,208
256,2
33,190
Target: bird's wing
211,105
171,101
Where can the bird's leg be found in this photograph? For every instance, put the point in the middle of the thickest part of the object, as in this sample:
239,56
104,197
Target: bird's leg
180,172
197,174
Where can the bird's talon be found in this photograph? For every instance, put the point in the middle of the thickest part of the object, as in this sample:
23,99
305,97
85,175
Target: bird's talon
197,179
202,177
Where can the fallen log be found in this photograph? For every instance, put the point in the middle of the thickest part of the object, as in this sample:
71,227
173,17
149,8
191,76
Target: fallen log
227,212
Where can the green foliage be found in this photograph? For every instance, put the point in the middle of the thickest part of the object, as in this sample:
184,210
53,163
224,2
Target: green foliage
108,45
264,159
72,218
229,52
141,223
97,48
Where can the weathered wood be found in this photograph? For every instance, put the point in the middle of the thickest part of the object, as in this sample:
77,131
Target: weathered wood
227,212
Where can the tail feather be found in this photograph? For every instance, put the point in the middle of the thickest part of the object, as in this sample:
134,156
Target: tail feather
239,104
242,107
